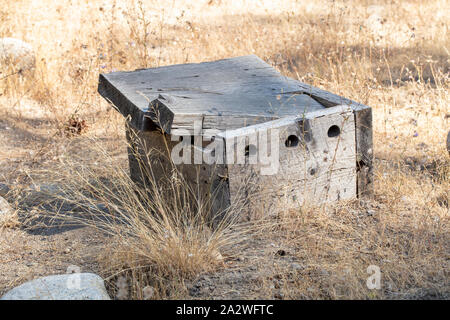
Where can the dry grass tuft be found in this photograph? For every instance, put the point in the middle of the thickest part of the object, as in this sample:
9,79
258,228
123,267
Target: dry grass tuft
161,233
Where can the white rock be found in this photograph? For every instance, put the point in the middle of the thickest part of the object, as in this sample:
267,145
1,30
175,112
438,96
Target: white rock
16,53
75,286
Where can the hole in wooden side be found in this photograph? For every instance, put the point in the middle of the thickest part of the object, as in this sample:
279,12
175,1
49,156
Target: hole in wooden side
360,164
334,131
250,150
291,141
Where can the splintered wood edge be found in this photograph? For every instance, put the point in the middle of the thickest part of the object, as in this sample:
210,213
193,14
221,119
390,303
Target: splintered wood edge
158,115
122,104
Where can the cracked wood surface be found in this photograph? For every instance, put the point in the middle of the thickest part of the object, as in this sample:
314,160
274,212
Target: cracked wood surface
225,94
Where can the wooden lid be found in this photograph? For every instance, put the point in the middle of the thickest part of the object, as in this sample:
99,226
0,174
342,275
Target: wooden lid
220,95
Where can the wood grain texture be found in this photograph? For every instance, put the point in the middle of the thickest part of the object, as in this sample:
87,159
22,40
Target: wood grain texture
364,152
364,135
243,87
318,169
148,155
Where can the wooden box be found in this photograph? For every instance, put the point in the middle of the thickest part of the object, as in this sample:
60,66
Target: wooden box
321,143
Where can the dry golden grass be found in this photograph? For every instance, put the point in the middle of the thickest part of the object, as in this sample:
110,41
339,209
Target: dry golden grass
161,233
393,56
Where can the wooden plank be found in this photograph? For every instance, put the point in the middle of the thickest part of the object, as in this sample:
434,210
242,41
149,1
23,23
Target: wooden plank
149,154
229,122
364,152
125,103
244,87
326,98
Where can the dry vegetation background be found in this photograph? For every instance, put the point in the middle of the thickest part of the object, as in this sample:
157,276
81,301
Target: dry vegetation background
391,55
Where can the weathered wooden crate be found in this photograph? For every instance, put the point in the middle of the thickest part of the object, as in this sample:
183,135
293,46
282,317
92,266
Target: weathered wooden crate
323,141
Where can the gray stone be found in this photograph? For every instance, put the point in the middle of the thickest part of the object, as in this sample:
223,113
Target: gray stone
4,189
17,54
148,292
75,286
40,193
297,267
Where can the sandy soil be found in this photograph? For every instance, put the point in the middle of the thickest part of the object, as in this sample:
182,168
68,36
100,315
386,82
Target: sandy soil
26,256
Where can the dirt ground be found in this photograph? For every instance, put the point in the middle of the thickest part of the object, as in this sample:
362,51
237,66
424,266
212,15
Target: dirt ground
26,256
29,252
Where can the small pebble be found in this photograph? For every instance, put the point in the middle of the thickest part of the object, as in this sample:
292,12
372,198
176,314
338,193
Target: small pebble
295,266
324,272
4,189
148,292
370,213
5,208
278,296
